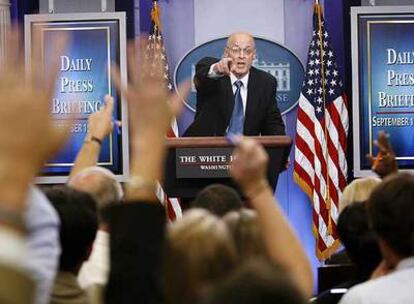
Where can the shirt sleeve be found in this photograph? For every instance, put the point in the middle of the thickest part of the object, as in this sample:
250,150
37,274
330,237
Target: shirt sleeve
352,297
43,243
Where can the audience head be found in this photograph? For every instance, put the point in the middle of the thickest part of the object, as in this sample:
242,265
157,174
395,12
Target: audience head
199,252
244,227
218,199
391,212
257,281
77,213
101,184
359,239
358,191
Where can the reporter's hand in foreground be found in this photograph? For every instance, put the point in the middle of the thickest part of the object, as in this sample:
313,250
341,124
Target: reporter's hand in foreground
249,167
151,108
28,135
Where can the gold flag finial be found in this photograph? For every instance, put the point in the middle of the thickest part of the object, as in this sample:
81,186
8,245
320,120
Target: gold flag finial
156,14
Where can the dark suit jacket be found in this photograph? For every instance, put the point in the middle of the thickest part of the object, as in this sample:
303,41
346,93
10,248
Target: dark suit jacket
215,102
137,240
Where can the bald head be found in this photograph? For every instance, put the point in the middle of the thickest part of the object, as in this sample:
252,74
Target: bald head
237,37
100,183
241,50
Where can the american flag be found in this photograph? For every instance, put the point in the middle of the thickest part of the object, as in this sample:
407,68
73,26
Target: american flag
320,166
155,44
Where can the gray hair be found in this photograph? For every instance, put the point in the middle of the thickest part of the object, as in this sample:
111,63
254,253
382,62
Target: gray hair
100,183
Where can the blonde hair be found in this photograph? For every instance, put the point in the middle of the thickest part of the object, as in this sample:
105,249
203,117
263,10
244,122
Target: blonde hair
244,227
199,251
358,190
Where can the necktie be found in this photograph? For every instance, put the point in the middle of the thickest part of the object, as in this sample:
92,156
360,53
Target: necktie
237,118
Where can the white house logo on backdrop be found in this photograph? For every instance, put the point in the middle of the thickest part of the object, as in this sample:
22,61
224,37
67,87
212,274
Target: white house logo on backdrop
271,57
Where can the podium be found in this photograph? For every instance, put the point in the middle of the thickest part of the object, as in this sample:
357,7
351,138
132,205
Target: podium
193,163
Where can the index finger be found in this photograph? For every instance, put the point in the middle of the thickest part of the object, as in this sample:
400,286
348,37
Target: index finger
109,104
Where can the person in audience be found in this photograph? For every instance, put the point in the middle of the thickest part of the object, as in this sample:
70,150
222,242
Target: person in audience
391,214
244,227
138,226
100,183
357,191
282,246
359,239
383,164
199,252
258,281
218,199
77,213
361,246
105,189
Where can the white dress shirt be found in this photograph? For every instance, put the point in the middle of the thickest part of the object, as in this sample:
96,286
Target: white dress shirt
96,269
393,288
233,79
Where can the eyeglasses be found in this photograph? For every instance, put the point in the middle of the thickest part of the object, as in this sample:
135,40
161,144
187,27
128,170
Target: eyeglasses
237,51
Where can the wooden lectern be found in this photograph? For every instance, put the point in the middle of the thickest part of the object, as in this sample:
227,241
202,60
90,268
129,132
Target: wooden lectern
195,162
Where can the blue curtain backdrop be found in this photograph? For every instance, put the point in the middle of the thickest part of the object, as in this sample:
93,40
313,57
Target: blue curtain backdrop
21,7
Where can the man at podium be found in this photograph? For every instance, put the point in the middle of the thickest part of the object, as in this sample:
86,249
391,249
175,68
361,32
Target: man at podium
234,97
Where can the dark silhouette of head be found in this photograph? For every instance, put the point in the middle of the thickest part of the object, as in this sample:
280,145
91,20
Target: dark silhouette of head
78,225
359,239
391,212
218,199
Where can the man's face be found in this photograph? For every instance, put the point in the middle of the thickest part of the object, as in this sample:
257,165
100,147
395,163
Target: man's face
241,49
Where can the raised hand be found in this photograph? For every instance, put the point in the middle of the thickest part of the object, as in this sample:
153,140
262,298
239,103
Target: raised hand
249,165
283,247
151,107
28,135
100,123
384,163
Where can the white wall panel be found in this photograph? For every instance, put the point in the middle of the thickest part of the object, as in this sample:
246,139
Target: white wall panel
217,18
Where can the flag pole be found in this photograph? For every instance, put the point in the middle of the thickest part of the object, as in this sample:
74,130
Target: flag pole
320,35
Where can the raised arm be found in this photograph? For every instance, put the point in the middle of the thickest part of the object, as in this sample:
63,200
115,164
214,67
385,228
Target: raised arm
249,171
138,227
28,138
100,125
